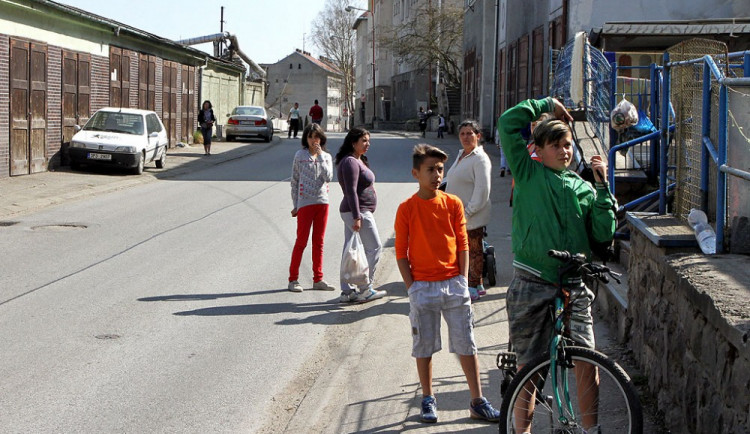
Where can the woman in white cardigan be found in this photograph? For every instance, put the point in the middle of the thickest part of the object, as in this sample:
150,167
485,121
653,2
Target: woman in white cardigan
469,179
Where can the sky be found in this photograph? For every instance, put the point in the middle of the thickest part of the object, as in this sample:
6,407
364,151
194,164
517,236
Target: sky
267,30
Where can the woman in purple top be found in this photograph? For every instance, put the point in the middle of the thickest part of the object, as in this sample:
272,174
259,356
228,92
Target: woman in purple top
357,182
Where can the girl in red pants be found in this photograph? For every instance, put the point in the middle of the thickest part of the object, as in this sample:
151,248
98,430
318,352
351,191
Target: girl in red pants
312,170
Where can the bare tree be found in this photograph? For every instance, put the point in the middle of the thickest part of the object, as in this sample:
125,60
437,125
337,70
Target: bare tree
332,34
433,37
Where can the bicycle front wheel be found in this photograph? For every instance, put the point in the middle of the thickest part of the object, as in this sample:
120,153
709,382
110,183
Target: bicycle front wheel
601,397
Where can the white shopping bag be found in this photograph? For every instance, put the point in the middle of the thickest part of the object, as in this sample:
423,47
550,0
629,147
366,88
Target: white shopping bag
354,267
624,115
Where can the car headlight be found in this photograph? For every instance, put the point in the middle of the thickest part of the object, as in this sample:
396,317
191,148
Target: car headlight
128,149
77,145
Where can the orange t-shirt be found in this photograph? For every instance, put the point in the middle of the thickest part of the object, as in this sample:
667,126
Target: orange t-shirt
430,233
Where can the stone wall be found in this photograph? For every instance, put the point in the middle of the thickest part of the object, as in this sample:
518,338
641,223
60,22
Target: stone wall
690,328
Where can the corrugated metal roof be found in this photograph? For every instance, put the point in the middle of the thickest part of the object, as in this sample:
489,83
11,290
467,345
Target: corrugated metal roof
697,27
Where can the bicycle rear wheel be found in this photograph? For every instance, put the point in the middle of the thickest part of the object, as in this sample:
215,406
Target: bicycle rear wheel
529,404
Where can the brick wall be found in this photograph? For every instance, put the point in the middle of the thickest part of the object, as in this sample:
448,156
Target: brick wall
4,106
99,83
158,85
690,334
54,106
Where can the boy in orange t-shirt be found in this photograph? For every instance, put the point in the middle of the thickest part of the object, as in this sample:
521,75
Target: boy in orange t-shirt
432,252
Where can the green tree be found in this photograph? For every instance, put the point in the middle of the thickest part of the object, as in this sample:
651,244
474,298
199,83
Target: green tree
332,34
431,39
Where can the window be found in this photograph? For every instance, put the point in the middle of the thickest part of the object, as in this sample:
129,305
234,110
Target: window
291,66
299,66
152,123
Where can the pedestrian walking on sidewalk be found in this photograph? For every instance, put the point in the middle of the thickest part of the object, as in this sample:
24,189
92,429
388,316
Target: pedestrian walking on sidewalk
441,126
206,120
357,182
293,120
423,116
432,253
316,113
312,170
469,179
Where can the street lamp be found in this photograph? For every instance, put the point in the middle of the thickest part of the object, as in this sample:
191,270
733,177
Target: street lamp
374,103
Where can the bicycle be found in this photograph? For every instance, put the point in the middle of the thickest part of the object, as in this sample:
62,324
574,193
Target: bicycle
570,389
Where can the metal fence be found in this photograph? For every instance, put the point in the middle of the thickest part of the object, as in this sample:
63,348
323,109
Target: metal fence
708,88
597,86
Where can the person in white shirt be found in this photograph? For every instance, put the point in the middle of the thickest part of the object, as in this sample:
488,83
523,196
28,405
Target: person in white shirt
469,179
293,120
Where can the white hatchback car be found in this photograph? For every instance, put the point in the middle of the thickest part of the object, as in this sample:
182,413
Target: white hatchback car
120,137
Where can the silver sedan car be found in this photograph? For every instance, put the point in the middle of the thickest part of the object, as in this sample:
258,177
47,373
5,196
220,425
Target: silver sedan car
249,121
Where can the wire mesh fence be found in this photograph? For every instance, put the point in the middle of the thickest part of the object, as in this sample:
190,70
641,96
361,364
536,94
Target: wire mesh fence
687,99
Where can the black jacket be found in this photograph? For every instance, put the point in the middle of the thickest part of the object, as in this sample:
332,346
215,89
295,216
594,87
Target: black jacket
202,119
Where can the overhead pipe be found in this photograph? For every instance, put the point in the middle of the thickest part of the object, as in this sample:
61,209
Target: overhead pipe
235,46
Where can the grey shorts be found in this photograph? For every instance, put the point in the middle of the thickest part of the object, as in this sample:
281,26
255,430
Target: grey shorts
428,301
529,302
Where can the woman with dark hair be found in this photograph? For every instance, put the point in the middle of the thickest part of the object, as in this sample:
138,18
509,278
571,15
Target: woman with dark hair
206,120
359,202
312,170
469,179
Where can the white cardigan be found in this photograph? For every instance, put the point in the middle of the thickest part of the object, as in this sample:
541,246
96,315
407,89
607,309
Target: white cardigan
469,179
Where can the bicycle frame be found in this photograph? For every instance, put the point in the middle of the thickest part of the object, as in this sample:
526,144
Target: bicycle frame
557,345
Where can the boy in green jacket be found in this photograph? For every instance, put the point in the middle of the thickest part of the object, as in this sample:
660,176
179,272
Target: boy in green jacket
553,208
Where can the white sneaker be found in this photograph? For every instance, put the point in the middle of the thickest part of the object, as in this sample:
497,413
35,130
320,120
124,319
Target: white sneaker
369,295
323,286
294,286
348,298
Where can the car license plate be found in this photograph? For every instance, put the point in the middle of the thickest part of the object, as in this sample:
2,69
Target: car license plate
247,123
95,156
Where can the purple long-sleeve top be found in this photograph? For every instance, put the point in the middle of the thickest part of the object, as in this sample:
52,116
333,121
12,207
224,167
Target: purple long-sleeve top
356,182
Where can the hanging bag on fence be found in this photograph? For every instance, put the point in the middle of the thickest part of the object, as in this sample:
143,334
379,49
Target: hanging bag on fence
624,115
354,267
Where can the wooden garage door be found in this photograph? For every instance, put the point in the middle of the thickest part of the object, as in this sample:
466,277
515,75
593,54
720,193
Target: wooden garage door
28,107
147,82
119,73
76,92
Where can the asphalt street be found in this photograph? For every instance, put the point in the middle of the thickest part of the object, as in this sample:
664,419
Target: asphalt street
158,303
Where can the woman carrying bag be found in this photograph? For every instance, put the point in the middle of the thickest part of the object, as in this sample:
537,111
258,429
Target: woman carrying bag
359,202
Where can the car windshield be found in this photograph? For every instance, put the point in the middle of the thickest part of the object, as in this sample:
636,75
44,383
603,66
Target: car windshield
248,111
115,122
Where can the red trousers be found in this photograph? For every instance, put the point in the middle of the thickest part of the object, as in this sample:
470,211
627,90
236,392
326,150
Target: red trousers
307,216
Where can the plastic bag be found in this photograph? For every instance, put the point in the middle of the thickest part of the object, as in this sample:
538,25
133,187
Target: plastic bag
624,115
354,267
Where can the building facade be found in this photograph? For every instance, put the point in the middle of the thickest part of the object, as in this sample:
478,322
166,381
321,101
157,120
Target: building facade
523,33
59,65
300,77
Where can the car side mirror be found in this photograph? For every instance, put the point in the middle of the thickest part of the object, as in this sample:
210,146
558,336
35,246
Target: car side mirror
228,115
154,134
76,128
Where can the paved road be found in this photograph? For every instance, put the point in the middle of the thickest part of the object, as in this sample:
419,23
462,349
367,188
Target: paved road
158,304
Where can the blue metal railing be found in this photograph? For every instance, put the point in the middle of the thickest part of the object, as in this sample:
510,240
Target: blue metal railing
710,152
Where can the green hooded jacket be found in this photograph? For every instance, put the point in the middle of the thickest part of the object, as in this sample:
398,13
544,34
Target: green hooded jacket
551,209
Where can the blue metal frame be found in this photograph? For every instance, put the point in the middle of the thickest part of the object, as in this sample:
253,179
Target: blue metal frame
709,152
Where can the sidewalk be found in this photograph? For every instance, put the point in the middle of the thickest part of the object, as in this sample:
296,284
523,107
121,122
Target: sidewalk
23,194
366,380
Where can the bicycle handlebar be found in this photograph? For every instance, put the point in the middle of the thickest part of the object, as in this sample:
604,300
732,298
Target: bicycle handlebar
578,261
